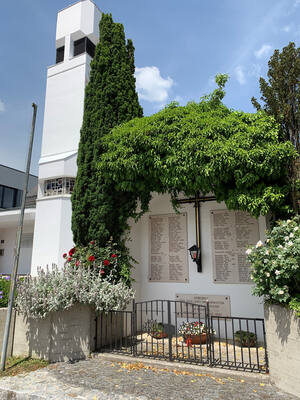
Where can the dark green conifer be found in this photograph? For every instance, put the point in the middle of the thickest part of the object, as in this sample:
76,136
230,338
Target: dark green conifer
110,99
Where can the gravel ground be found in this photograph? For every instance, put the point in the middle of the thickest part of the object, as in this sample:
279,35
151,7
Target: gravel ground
127,379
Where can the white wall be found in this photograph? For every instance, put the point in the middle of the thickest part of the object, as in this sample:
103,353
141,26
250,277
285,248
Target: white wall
81,18
63,116
64,108
6,261
52,232
242,302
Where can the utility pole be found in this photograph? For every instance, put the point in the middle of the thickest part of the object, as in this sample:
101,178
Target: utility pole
18,246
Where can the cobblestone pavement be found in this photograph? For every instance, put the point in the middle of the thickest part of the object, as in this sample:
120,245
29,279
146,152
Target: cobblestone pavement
127,379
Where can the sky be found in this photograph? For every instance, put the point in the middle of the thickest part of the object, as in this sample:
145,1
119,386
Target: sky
180,47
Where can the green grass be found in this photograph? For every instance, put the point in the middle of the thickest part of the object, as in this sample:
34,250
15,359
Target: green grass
22,365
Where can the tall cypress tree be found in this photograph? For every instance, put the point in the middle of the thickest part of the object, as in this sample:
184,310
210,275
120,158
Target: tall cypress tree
281,98
110,99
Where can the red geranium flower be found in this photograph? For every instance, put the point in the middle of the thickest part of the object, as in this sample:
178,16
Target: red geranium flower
92,242
102,271
114,255
69,259
77,263
72,251
91,258
106,262
65,255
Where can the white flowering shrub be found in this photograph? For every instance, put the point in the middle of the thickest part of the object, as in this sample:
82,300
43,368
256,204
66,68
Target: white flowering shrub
57,290
275,265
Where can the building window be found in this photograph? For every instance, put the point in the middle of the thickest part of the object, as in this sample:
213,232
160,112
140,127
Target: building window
10,197
1,252
60,53
84,45
55,187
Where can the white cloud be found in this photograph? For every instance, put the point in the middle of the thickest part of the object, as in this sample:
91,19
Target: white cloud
255,70
286,28
264,50
240,74
151,86
2,106
296,3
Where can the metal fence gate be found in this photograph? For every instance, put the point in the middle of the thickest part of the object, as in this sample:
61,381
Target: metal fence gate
181,331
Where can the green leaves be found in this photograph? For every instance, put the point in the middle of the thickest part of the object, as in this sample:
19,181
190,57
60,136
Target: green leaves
99,211
203,148
276,265
281,98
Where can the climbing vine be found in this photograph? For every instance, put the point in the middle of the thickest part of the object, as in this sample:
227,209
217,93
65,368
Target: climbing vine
201,147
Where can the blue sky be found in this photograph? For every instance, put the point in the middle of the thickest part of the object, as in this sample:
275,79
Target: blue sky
180,47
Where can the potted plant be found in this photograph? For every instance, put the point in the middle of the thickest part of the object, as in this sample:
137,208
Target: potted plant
155,329
245,338
194,332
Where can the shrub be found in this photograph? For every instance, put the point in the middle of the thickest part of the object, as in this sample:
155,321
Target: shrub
4,290
57,290
276,264
111,263
245,338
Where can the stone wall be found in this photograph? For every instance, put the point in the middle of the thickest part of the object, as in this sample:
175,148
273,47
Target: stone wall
62,336
3,313
283,344
65,335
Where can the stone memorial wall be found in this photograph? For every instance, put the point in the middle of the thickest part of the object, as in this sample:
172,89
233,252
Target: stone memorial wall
168,248
232,233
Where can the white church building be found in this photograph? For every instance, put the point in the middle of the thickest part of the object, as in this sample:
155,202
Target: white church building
161,238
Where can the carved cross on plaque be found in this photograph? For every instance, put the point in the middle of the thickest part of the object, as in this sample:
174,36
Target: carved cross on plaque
197,200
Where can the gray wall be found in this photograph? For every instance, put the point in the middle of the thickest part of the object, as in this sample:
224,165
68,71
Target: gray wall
15,178
283,344
61,336
3,313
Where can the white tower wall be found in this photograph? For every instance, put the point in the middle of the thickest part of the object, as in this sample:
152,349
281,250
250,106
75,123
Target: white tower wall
63,115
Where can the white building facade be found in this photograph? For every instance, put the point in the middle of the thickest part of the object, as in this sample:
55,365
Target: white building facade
77,33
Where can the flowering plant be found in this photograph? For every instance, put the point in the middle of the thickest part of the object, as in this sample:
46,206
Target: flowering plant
275,265
59,289
108,262
193,328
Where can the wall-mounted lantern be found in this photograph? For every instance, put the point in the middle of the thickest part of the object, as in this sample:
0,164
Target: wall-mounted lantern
195,253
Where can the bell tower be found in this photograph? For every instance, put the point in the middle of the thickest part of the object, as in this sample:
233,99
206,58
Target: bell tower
77,33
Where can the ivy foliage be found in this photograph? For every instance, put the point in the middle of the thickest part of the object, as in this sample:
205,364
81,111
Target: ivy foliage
110,99
201,147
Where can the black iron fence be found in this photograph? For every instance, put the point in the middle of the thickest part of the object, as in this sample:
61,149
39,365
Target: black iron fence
177,330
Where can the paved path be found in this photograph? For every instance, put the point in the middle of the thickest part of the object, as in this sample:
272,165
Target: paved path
127,379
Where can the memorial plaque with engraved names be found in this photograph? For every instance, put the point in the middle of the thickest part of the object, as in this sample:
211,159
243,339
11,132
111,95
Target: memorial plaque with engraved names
219,306
232,233
168,248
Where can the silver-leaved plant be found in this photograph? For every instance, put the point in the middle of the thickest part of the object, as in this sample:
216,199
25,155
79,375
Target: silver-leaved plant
55,290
